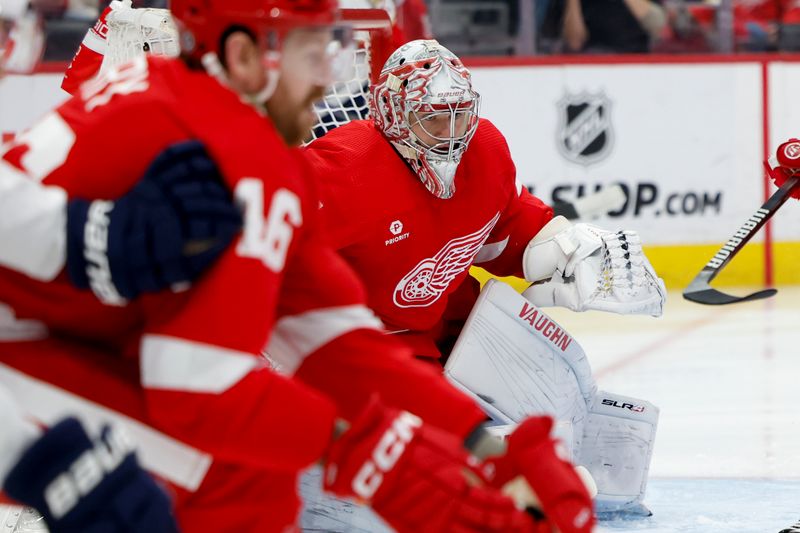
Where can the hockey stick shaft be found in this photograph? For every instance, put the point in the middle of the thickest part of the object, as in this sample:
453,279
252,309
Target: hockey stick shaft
699,289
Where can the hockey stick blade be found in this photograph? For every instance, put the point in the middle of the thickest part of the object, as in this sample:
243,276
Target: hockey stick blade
700,291
712,296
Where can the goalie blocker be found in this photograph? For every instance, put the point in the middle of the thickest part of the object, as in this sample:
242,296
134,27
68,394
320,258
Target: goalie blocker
516,361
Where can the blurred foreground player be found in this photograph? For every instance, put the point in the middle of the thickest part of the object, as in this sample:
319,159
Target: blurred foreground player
21,37
415,196
36,464
225,432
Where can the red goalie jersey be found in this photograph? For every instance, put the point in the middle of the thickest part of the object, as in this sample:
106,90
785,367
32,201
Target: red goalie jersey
194,357
412,249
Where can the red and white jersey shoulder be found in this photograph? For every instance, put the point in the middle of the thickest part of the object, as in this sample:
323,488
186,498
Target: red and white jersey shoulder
89,57
411,248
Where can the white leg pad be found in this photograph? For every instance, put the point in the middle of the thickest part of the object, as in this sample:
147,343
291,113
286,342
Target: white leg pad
516,361
618,439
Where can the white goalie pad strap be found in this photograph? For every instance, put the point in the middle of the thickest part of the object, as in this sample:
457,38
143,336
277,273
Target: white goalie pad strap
516,361
586,267
617,446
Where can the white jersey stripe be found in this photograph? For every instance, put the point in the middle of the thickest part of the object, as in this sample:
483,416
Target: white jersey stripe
490,251
169,458
178,364
95,43
32,225
296,337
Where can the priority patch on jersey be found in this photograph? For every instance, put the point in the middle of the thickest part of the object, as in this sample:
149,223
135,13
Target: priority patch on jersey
396,229
430,278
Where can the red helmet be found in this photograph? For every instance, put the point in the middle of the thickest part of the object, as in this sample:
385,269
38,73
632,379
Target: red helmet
202,22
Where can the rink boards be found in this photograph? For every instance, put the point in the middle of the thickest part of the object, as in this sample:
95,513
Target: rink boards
684,135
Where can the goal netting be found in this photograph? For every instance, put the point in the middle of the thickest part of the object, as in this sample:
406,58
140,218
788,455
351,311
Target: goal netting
133,32
348,100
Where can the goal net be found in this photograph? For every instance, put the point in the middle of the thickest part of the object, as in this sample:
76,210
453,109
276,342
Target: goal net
133,32
348,100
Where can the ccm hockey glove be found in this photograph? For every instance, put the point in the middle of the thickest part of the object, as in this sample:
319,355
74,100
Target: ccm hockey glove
162,234
418,478
533,454
89,487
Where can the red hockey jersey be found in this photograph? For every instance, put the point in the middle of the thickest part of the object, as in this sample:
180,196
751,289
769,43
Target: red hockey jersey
89,58
199,351
412,249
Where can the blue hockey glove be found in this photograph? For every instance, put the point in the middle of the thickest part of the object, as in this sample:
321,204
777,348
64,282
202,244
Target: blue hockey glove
89,487
163,233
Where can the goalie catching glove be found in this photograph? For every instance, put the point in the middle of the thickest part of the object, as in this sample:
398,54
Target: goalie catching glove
162,234
418,478
583,267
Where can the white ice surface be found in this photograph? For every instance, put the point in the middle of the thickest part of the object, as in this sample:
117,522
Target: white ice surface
727,453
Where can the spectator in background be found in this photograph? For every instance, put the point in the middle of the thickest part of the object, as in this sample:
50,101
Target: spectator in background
74,9
604,26
767,25
685,32
758,26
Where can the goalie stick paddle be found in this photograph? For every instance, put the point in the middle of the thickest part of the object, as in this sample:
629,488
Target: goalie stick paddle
700,291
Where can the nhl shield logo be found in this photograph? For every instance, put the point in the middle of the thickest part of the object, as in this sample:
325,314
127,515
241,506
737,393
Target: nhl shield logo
585,135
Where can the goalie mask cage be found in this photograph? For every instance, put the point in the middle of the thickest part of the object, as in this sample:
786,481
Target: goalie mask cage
133,32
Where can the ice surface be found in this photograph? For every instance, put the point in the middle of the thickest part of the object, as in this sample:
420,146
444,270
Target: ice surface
715,505
727,454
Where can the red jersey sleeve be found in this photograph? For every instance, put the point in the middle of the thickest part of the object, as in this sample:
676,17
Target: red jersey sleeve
202,363
89,57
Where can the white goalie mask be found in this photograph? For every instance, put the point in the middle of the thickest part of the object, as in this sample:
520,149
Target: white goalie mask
21,37
424,104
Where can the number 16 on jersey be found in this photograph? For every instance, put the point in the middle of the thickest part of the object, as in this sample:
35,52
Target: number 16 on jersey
267,238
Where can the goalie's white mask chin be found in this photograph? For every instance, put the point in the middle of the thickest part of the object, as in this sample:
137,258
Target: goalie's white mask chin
425,106
437,173
439,177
